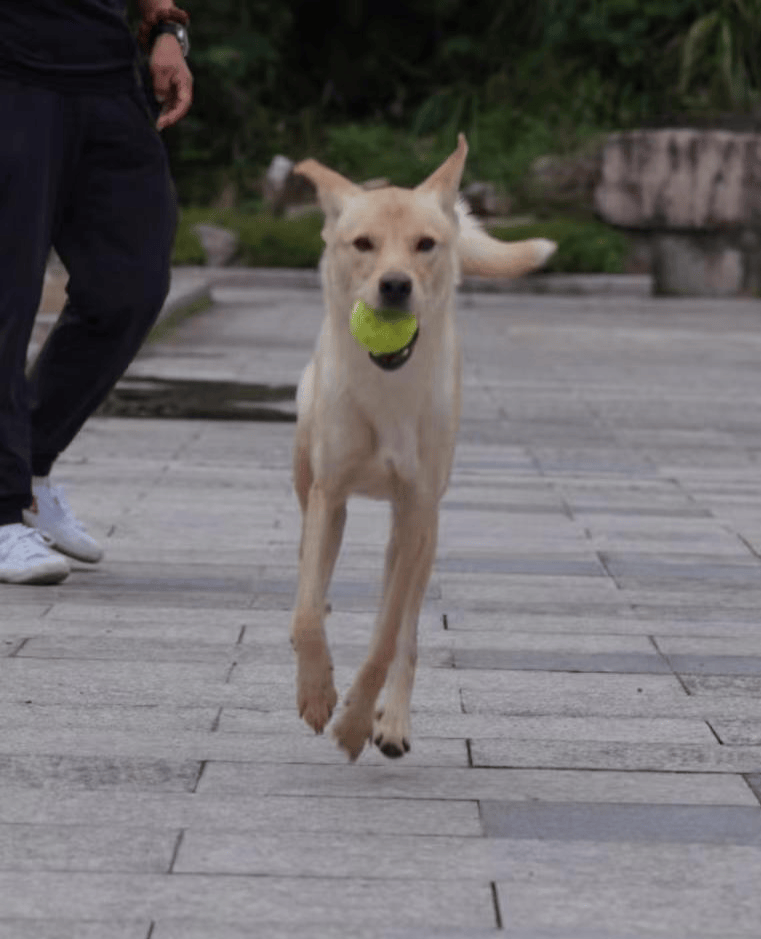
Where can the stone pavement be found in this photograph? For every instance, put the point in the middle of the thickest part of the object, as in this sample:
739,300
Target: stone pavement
586,758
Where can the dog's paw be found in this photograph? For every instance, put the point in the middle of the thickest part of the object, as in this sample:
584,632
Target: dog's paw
315,694
391,733
353,729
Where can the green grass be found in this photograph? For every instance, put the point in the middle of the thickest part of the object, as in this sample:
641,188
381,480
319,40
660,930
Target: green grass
584,246
265,241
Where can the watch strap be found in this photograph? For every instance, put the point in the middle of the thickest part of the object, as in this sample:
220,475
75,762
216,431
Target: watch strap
178,31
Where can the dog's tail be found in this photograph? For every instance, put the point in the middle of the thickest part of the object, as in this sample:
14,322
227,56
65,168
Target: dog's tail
490,257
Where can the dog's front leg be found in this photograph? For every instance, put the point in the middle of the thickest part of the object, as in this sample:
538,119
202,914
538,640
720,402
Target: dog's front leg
323,526
411,541
392,729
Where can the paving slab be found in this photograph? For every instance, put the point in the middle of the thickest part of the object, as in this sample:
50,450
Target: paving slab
252,812
550,784
346,902
29,847
58,928
678,887
586,748
673,824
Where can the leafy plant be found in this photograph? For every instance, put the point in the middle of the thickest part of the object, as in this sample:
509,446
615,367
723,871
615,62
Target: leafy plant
720,53
265,241
583,246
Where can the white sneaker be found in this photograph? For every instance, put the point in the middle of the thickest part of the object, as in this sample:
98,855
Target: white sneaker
26,558
53,515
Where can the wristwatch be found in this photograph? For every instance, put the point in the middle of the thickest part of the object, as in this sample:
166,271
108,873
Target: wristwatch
177,30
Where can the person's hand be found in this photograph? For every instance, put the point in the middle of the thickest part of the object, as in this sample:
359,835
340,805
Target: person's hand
172,80
153,12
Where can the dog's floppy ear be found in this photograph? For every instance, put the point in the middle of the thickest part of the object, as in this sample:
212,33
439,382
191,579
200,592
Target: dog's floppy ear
445,181
333,189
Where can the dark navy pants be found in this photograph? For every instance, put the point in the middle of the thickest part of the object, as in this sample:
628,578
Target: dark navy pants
87,174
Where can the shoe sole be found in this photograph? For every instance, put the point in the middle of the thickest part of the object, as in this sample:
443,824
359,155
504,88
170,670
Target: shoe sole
71,553
38,577
29,521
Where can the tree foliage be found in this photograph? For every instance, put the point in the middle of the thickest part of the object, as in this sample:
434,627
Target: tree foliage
297,77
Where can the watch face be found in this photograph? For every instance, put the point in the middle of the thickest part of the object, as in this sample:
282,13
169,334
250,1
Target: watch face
182,36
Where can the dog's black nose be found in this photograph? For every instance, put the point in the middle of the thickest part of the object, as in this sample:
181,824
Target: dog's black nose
395,289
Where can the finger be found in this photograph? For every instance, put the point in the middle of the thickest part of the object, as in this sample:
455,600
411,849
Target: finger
177,105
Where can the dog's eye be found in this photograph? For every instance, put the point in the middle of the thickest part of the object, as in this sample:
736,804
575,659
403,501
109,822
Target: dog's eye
363,243
425,244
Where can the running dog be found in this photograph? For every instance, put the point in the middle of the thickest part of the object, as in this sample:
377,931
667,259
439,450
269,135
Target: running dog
383,426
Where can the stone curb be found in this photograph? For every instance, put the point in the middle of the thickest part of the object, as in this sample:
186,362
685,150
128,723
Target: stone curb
187,287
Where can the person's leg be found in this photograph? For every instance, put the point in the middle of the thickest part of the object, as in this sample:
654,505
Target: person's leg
37,142
31,160
115,238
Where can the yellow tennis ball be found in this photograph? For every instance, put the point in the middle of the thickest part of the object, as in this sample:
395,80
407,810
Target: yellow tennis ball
381,331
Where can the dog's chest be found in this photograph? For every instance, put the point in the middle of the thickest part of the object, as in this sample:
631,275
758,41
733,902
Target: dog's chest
396,454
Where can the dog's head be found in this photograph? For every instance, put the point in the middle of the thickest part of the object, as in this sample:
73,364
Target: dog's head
391,247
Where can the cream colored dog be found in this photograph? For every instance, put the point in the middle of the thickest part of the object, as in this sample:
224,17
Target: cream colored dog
383,427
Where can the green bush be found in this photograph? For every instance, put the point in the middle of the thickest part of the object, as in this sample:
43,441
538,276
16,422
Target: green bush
583,246
265,241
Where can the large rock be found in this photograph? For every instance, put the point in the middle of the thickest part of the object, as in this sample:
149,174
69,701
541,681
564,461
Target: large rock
282,188
220,245
698,195
566,182
485,199
697,266
681,179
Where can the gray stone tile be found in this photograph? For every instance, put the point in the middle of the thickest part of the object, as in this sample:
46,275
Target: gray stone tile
670,890
754,781
29,606
350,902
595,755
34,720
557,567
298,746
497,659
685,824
508,507
603,621
10,646
553,785
733,733
182,929
716,664
725,642
85,848
123,649
57,928
83,617
72,772
720,686
574,695
74,682
547,593
252,813
374,856
584,511
639,567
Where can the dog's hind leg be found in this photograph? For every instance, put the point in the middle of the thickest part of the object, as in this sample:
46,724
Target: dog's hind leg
412,541
392,728
320,542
